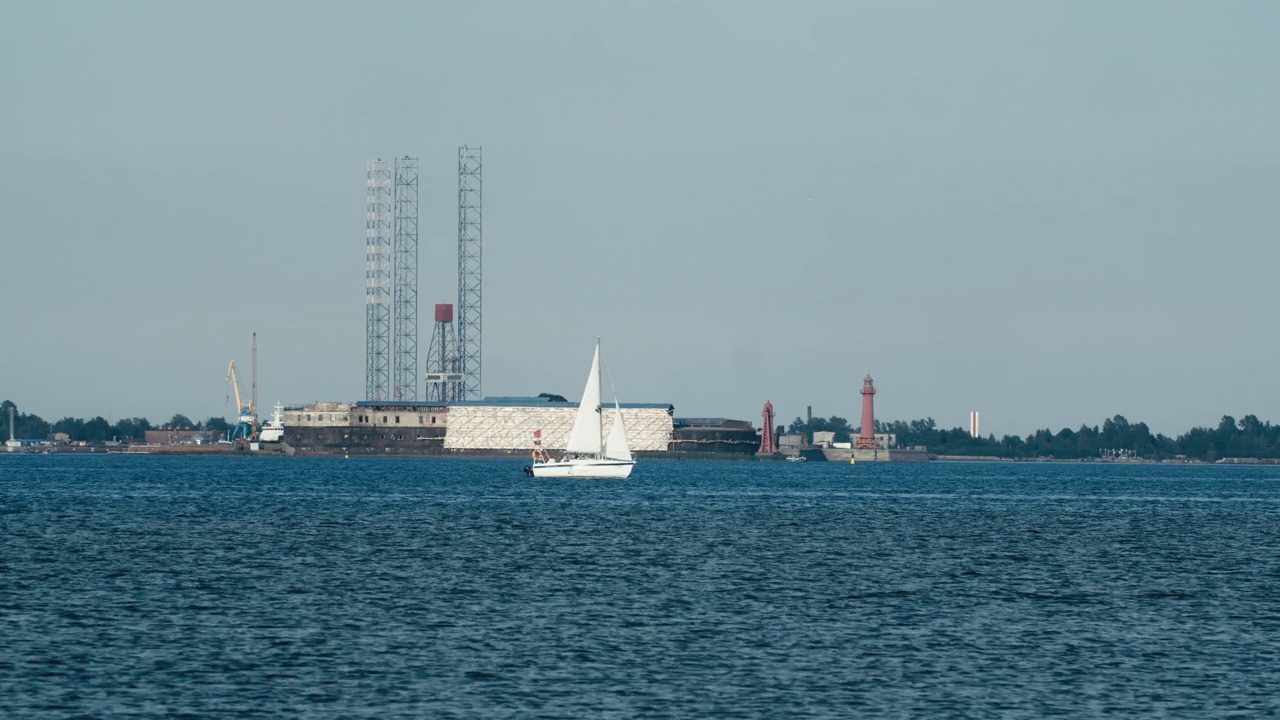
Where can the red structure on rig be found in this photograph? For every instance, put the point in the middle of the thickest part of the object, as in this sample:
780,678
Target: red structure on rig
767,445
867,437
444,377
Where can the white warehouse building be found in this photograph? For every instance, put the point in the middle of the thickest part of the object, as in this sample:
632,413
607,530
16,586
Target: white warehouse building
509,423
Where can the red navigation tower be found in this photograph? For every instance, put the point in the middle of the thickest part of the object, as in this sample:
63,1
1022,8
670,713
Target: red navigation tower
767,446
867,438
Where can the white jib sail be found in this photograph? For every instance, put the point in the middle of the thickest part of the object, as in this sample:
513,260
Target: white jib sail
615,447
585,435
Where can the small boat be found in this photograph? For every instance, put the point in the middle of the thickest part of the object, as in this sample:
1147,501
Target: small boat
273,431
796,458
590,454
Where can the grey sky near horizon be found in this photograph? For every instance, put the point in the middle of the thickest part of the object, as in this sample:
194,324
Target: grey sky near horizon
1052,213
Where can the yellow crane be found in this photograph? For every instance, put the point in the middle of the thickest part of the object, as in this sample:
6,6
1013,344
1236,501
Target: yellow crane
247,422
235,387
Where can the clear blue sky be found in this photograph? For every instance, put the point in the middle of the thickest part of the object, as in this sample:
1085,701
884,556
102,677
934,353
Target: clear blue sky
1049,212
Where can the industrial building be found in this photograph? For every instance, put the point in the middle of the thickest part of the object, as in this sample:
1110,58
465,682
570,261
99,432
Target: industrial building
714,435
489,426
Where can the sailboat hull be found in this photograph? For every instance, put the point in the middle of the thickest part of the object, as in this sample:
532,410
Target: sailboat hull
585,469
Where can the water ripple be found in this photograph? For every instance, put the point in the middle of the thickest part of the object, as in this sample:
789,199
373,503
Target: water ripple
397,588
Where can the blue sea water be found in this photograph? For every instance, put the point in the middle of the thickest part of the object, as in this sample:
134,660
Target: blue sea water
408,588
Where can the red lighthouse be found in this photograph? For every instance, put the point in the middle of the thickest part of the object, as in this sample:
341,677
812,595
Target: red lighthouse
867,438
767,446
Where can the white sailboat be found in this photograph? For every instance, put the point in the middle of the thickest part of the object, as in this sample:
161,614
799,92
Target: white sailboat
590,454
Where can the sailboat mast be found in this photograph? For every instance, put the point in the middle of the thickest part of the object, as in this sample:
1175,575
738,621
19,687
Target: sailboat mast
599,395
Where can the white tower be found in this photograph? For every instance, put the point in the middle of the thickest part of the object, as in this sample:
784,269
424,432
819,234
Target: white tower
12,444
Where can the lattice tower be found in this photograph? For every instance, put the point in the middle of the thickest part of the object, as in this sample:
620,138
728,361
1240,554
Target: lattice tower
378,273
404,327
469,266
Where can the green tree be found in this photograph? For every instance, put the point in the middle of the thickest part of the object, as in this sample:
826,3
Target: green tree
135,428
835,424
1248,437
798,427
73,428
219,424
1196,443
97,430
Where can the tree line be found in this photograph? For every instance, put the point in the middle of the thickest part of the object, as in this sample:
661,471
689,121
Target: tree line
97,429
1248,437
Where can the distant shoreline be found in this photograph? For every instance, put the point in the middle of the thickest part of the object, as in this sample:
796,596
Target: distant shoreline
280,450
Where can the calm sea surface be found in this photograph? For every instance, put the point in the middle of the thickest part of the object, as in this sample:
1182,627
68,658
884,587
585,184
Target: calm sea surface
285,587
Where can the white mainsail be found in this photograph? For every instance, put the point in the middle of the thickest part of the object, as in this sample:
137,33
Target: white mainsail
615,447
585,435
